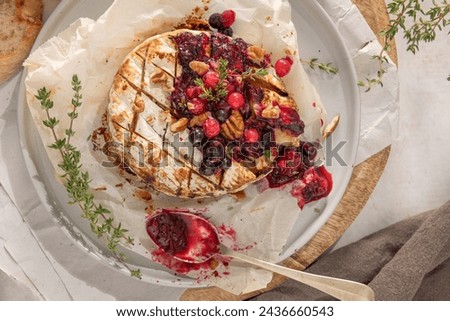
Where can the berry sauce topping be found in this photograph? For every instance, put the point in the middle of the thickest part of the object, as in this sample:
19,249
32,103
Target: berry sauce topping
224,94
315,184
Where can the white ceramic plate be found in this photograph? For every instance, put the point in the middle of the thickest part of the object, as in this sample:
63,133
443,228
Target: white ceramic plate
318,38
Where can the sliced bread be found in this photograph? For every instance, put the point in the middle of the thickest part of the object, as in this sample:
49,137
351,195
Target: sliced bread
20,23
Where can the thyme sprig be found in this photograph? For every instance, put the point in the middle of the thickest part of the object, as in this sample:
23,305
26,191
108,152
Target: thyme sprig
218,92
251,73
76,180
423,24
315,63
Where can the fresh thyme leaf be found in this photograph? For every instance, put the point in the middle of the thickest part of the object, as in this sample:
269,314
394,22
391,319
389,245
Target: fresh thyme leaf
220,91
51,122
252,72
223,70
417,24
199,82
326,67
262,72
76,180
136,273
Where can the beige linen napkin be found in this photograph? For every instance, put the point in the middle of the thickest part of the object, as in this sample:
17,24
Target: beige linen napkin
409,260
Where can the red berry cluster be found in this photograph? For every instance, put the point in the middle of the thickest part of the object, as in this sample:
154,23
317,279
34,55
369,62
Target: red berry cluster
197,89
223,22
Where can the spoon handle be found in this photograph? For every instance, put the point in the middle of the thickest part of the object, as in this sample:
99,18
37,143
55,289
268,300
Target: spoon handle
339,288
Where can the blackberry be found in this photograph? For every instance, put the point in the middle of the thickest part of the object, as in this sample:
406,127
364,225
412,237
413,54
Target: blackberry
215,21
196,137
222,115
226,31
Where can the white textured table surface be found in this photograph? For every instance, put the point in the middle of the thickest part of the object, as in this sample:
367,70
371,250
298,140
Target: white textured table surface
417,176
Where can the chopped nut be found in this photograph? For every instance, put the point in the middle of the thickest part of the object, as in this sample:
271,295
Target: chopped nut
190,106
271,112
179,125
234,127
331,127
208,50
261,163
256,54
199,120
199,67
213,264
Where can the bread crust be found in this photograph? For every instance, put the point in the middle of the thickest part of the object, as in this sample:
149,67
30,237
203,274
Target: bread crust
21,21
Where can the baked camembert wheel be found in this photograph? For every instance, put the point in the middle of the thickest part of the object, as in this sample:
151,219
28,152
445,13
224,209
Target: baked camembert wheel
198,114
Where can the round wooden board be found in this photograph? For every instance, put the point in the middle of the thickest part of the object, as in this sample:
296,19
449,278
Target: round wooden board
362,183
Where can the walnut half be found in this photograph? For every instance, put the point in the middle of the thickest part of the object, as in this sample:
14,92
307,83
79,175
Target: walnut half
179,125
234,127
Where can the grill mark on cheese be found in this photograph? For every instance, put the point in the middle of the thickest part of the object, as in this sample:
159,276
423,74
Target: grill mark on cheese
175,70
158,66
143,91
179,160
191,160
190,165
138,98
203,185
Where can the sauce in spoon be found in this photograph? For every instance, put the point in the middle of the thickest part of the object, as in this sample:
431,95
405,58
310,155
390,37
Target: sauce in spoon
186,236
193,240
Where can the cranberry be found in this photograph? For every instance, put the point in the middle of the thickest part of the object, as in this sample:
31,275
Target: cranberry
197,106
282,67
211,127
211,79
251,135
196,137
228,18
227,32
289,59
215,21
236,100
222,115
193,92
